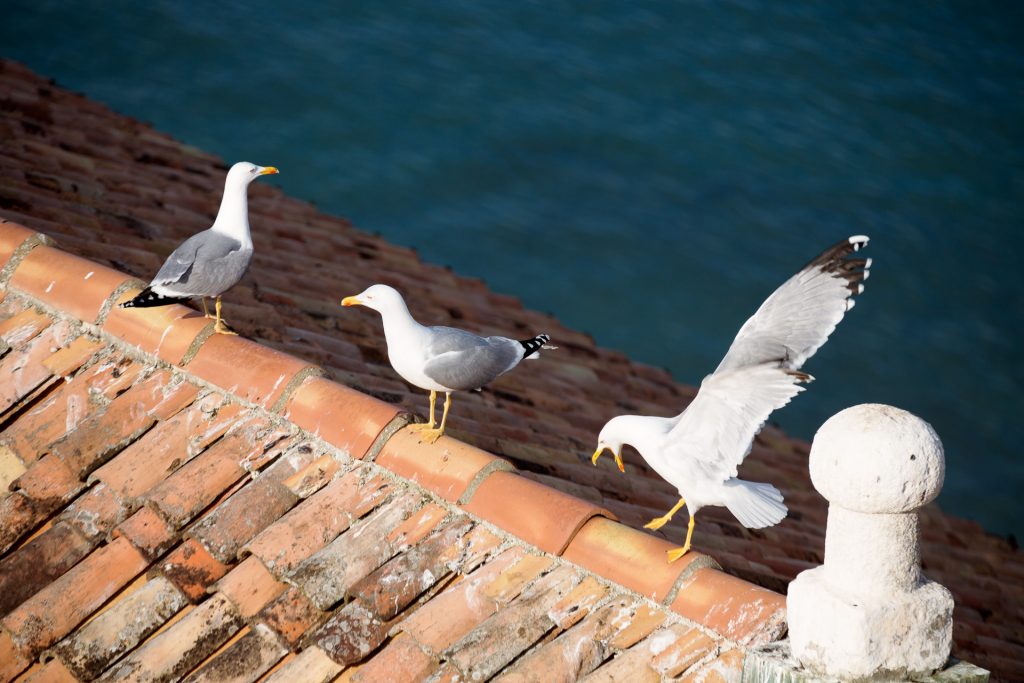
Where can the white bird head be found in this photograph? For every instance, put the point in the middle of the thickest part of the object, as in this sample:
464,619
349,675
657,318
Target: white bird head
613,437
380,298
244,173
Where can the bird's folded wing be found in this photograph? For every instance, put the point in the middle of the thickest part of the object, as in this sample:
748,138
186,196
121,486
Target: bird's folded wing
713,436
204,248
800,315
461,360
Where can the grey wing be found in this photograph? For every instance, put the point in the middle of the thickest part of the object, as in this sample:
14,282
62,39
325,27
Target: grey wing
800,315
461,360
714,434
206,264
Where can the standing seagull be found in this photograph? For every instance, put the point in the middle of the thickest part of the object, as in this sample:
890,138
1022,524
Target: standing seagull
441,358
213,261
699,450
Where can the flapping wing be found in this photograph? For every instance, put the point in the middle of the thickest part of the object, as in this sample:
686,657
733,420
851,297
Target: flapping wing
714,434
800,315
203,247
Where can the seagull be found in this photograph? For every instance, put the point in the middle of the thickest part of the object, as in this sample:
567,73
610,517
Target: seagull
441,358
699,450
213,261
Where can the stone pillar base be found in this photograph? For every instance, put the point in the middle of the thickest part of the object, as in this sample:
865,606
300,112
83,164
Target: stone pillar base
773,663
891,635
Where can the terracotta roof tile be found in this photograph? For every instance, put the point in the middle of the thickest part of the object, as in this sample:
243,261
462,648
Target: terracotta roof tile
192,487
447,467
148,532
119,628
192,569
631,557
31,567
400,660
312,664
73,356
168,332
177,649
333,570
50,672
737,609
68,282
317,521
246,659
508,633
344,418
250,587
255,373
58,608
250,510
540,515
291,615
12,236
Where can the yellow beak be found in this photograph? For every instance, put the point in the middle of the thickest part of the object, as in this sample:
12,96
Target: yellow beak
618,458
269,170
351,301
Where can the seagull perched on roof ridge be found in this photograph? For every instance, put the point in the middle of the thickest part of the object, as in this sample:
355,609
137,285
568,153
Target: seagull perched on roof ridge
441,358
213,261
699,450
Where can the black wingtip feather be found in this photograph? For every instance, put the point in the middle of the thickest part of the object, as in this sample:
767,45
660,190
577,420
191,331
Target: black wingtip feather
534,345
147,298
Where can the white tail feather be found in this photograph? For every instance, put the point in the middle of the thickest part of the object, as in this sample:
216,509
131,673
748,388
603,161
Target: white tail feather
755,505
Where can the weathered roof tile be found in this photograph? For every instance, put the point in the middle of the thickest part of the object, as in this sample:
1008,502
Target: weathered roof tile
250,587
317,521
291,614
177,649
243,661
192,569
331,572
58,608
119,628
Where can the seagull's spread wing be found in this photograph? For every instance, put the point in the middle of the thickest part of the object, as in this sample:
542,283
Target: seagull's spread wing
202,250
800,315
714,433
460,360
760,373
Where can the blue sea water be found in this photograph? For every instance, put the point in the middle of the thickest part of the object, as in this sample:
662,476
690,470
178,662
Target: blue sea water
647,171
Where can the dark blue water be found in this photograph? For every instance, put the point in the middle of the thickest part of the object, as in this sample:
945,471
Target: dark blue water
647,171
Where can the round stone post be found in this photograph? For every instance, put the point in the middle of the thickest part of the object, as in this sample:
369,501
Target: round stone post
868,612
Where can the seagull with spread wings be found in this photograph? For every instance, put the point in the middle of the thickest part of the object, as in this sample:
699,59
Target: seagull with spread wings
213,261
699,450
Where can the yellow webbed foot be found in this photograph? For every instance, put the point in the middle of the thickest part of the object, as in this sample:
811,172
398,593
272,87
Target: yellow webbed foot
658,522
430,435
420,426
221,328
676,553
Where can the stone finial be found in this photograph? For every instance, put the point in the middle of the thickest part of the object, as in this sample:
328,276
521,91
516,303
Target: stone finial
868,612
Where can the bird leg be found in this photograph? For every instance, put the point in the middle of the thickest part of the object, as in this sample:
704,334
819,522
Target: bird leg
432,435
220,327
206,311
427,425
676,553
659,522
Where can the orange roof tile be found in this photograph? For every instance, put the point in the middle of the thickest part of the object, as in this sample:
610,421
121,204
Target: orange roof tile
258,506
